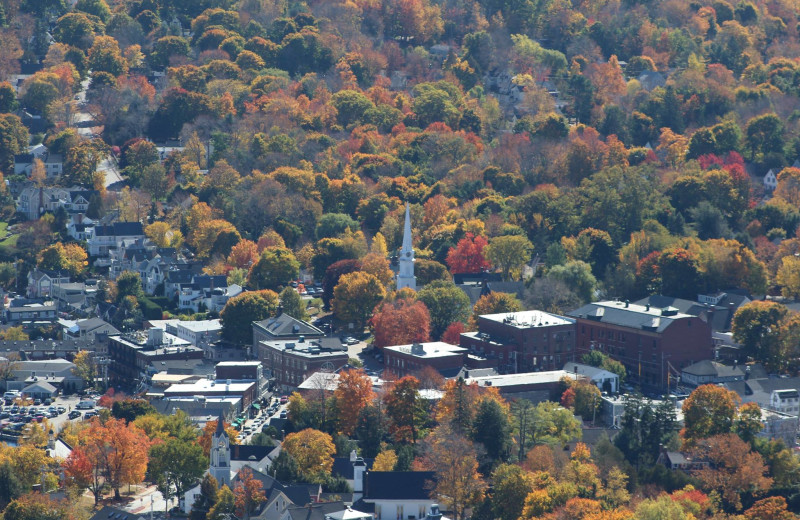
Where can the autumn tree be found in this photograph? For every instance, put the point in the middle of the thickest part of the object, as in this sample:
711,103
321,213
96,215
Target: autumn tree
458,485
120,449
355,297
243,255
206,499
385,461
771,508
733,470
162,234
401,322
509,253
494,303
313,450
468,255
405,409
248,493
293,304
60,257
353,394
241,311
81,473
709,410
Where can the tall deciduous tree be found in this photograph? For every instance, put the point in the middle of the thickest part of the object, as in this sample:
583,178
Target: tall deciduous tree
401,322
313,450
709,410
176,466
276,267
405,409
494,303
59,257
446,304
241,311
355,297
468,255
756,326
458,485
352,395
248,494
509,253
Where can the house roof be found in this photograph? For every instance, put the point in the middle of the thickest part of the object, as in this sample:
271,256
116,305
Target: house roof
316,511
397,485
284,325
114,513
39,387
714,369
629,315
343,467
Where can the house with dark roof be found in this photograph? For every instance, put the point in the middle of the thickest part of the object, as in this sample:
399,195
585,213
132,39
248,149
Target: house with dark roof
654,344
115,513
396,494
41,282
105,238
712,372
323,511
209,292
89,328
283,327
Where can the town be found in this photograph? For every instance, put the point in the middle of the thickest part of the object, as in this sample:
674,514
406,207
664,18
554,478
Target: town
399,260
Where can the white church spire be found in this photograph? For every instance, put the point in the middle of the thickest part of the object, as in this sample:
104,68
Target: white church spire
405,275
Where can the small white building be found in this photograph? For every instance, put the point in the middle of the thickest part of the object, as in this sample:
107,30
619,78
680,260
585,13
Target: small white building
606,381
770,180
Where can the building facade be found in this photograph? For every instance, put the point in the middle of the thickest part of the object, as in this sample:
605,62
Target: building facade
291,362
408,359
653,344
524,341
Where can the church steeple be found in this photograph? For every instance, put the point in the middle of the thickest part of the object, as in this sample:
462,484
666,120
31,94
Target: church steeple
405,275
220,467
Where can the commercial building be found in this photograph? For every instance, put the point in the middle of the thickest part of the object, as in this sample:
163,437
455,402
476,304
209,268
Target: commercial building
132,354
403,360
654,344
523,341
291,362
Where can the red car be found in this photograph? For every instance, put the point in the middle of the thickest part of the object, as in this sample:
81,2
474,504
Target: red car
284,399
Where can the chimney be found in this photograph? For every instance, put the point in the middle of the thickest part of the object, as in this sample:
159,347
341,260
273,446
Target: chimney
647,307
353,456
359,472
279,310
627,302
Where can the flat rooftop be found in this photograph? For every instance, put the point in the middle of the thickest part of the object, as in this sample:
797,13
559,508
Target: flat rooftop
238,363
529,319
205,385
432,349
200,326
525,378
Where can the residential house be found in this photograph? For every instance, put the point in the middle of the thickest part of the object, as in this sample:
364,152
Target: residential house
115,513
394,495
652,343
105,238
89,328
19,312
712,372
604,380
33,201
79,227
770,181
785,401
207,292
75,297
41,282
682,461
53,163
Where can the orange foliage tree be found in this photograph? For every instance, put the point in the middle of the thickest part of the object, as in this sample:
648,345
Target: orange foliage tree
248,493
119,448
401,323
405,409
452,333
82,474
243,255
352,395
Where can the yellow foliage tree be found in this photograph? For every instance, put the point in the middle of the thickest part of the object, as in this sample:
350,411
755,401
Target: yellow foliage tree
313,451
385,461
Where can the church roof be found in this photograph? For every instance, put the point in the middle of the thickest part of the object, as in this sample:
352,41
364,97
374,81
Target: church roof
220,427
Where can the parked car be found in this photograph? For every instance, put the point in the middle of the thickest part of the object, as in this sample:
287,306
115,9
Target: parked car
74,414
284,414
284,399
89,415
349,340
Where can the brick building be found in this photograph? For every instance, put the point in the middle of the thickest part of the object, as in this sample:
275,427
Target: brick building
407,359
648,341
525,341
132,355
291,362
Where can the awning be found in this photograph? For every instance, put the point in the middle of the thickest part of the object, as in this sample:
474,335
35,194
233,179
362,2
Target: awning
256,406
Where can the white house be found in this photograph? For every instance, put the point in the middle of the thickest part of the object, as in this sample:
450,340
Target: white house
105,238
785,401
770,180
394,495
606,381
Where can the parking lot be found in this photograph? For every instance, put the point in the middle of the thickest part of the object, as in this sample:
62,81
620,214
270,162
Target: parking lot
56,413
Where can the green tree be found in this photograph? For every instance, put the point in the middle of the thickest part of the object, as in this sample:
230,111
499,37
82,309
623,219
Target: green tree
756,326
207,498
405,410
130,409
276,267
509,253
492,429
370,429
241,311
13,140
577,275
543,423
764,135
176,466
167,47
98,8
225,505
293,304
331,225
75,29
351,106
129,283
446,304
355,297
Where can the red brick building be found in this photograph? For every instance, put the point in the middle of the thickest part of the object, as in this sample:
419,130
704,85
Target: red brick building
525,341
648,341
407,359
291,362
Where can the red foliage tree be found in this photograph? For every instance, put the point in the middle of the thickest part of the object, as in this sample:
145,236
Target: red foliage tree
452,333
400,323
467,256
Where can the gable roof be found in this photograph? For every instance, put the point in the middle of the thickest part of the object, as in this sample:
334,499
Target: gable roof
397,485
114,513
284,325
315,511
629,315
